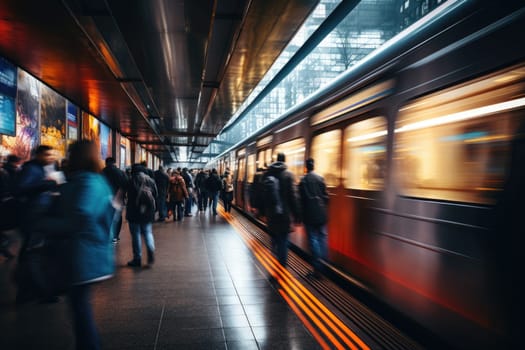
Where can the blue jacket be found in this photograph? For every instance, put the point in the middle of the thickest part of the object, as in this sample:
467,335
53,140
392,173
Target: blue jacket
80,224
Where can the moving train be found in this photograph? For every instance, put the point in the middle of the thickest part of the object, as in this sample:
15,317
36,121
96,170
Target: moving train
422,148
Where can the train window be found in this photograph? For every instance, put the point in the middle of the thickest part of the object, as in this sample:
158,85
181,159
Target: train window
241,166
251,168
264,158
365,154
294,152
454,144
326,149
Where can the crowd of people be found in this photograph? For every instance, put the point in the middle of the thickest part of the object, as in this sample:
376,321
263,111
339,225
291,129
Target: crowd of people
70,218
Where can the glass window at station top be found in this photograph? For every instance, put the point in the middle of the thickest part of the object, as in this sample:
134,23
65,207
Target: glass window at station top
367,27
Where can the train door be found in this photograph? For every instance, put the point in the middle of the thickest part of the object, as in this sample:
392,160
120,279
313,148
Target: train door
326,151
363,175
250,173
240,176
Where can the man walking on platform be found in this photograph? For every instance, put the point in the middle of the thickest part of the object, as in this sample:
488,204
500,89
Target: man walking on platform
140,213
314,200
280,203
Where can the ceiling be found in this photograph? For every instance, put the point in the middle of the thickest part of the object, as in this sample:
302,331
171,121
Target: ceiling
168,74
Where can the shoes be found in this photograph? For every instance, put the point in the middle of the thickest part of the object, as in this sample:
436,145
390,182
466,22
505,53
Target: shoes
188,215
134,263
151,259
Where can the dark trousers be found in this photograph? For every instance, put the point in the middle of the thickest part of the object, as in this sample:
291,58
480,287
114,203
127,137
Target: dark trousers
162,207
117,224
177,207
84,324
203,200
228,198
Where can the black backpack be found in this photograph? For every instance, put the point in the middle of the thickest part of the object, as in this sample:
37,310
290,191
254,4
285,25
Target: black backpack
145,200
272,196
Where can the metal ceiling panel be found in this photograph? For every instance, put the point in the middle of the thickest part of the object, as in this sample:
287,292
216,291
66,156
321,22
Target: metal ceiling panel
162,72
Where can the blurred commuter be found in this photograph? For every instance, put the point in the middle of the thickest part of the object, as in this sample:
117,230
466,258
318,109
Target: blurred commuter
162,181
189,188
118,181
227,187
140,213
284,206
9,208
213,186
177,193
79,225
200,186
147,170
314,200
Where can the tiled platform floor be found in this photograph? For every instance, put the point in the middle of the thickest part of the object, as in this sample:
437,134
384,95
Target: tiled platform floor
205,291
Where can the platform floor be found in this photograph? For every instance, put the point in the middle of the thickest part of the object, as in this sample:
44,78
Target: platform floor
205,291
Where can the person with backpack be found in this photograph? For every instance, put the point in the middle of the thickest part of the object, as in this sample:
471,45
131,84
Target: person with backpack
213,186
177,195
314,201
140,213
202,194
280,203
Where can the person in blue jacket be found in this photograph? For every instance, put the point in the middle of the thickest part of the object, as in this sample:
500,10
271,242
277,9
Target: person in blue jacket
81,220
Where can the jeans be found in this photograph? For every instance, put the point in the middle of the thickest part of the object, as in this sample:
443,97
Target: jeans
214,196
317,239
85,329
116,225
136,230
162,207
188,204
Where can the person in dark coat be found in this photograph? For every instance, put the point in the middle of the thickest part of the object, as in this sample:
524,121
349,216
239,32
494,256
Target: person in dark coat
202,194
280,224
81,219
189,188
140,220
162,181
118,181
314,201
213,186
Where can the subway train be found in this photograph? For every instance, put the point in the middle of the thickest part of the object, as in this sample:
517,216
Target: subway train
421,146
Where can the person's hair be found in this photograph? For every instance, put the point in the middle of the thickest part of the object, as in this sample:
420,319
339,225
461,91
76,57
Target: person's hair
83,156
281,157
13,158
214,171
161,167
42,149
310,164
110,161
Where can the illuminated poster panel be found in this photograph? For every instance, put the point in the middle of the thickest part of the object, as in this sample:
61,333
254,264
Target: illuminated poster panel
105,141
72,123
27,116
7,98
90,129
52,120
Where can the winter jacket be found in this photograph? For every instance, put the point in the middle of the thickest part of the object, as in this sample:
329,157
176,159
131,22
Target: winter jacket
80,220
162,180
177,189
133,213
314,199
116,178
280,224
